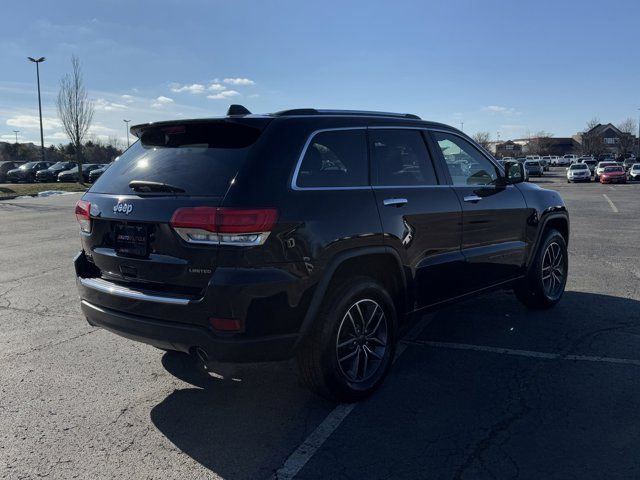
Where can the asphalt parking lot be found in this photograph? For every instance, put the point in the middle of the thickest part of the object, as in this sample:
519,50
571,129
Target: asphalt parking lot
483,389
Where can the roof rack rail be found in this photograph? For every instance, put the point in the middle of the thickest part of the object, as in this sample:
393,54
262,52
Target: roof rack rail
364,113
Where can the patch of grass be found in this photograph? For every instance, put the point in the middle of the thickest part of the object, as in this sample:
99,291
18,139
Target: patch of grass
17,189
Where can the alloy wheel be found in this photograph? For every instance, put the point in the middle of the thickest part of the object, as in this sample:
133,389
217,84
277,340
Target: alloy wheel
553,270
361,343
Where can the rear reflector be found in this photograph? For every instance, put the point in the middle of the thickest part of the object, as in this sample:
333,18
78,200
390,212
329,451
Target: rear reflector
226,324
227,226
83,216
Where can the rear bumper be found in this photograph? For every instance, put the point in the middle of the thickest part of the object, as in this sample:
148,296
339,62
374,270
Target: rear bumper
261,298
185,337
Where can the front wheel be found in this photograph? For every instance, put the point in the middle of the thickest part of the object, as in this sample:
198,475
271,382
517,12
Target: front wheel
544,285
350,349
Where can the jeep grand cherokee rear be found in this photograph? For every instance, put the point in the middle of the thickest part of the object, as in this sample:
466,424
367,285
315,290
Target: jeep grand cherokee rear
309,233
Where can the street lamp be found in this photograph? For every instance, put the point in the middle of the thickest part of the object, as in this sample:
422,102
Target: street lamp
16,132
638,149
37,61
127,127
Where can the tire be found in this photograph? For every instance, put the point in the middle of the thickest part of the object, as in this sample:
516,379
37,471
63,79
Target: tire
541,289
350,304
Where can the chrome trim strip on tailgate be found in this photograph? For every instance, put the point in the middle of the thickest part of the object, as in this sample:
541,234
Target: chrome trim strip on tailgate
120,291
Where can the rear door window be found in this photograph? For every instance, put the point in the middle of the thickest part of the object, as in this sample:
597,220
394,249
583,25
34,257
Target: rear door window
399,157
335,158
198,159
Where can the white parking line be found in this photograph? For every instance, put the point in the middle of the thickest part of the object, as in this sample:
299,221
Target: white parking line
301,455
525,353
613,207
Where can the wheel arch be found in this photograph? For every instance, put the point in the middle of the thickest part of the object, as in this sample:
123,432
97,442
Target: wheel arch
381,263
558,220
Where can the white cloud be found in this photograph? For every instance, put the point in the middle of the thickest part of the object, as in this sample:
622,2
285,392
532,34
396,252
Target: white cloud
102,104
194,88
216,87
127,98
224,95
497,109
161,101
33,121
239,81
58,136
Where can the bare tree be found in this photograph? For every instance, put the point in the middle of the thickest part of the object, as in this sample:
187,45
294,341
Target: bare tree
627,140
592,143
75,109
483,138
541,143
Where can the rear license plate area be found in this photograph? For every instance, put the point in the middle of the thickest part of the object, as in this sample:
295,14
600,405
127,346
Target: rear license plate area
132,240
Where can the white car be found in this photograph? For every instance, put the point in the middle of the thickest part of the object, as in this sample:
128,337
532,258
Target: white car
578,172
600,168
560,161
634,172
570,158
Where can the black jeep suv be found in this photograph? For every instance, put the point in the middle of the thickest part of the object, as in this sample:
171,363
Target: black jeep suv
309,233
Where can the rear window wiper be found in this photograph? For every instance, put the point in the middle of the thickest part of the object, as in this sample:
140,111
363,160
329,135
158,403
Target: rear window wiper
145,186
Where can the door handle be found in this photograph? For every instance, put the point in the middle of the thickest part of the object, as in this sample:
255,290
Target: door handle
395,202
472,198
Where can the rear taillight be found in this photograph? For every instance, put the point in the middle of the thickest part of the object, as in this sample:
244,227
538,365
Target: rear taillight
83,209
224,226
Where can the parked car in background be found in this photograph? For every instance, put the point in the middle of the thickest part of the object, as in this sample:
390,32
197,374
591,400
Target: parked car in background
601,166
578,172
561,161
552,160
570,158
543,163
591,163
95,174
51,174
634,172
615,174
72,174
5,167
26,172
628,162
149,237
507,159
534,168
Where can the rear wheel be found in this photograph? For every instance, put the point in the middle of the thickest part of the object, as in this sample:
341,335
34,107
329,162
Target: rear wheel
544,285
350,350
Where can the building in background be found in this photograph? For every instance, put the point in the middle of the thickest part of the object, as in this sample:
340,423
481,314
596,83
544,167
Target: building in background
605,139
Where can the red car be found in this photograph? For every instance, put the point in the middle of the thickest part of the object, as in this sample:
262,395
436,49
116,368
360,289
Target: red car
613,175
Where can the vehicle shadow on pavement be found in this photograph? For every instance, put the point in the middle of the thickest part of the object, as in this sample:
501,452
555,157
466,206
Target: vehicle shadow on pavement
458,413
244,424
241,424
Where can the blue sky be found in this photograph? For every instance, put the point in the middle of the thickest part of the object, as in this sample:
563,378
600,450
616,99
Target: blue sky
516,67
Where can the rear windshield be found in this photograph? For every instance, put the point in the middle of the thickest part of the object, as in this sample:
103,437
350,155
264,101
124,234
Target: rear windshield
200,159
613,169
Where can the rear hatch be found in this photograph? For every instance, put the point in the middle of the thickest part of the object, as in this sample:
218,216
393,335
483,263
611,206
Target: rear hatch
173,167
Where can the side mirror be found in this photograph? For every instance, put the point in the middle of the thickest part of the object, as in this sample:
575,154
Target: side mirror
514,172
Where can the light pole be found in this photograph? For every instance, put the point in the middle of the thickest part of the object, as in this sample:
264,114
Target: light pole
37,61
16,132
461,126
127,127
638,149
